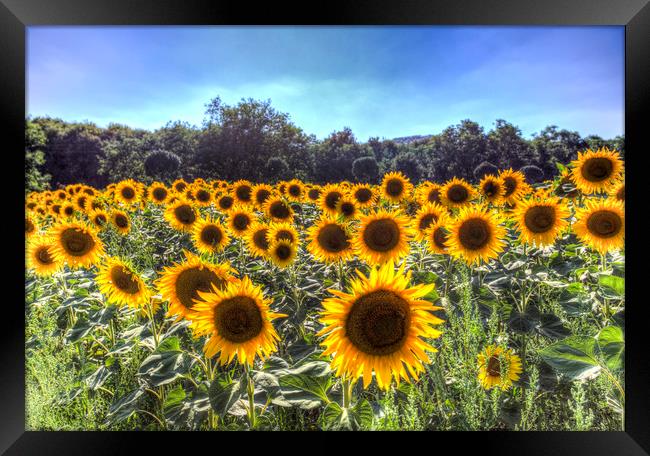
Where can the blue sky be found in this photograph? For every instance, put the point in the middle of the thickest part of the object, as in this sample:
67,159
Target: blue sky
379,81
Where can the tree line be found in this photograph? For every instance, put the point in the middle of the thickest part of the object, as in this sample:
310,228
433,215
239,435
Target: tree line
252,140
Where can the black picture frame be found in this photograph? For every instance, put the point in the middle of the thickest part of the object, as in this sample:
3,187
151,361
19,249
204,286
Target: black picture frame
16,15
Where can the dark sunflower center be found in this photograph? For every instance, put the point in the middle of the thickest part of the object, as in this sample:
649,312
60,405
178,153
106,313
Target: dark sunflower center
100,219
347,209
124,280
474,234
363,195
378,323
185,214
457,193
333,238
203,196
180,186
394,187
43,255
284,234
262,195
283,252
121,221
128,193
620,194
226,202
426,220
29,226
279,210
540,219
597,169
260,240
510,184
76,242
81,201
313,194
238,319
440,237
331,199
241,221
494,366
192,280
211,235
434,196
381,235
68,210
56,208
604,224
243,193
490,189
294,190
159,193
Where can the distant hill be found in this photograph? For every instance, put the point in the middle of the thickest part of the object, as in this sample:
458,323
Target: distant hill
410,139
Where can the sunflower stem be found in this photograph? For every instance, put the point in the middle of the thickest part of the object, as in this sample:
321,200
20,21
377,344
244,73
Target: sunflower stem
347,392
250,389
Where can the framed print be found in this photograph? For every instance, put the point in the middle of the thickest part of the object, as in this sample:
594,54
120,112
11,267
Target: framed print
385,217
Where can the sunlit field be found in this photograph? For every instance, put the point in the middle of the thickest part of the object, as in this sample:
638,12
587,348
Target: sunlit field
216,305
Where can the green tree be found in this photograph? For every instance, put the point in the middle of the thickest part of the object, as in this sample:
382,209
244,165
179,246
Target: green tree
35,140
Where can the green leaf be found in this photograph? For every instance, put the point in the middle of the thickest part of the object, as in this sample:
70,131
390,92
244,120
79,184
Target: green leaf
363,414
303,390
573,357
331,416
224,395
611,345
174,397
613,283
97,378
166,364
123,407
551,326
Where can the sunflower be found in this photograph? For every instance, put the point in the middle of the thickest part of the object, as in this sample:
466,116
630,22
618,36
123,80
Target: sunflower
68,209
239,220
237,320
313,193
498,367
95,204
261,192
492,189
437,235
395,187
329,240
295,191
382,236
257,239
380,325
99,218
540,220
55,210
282,253
121,222
242,191
181,215
127,192
476,235
225,202
40,257
515,185
596,171
158,193
278,210
347,208
179,186
618,191
202,196
426,216
456,193
280,231
329,196
209,236
77,244
30,227
121,285
364,195
81,201
180,283
601,224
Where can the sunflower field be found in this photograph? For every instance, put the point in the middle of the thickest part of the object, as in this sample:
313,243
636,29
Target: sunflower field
214,305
